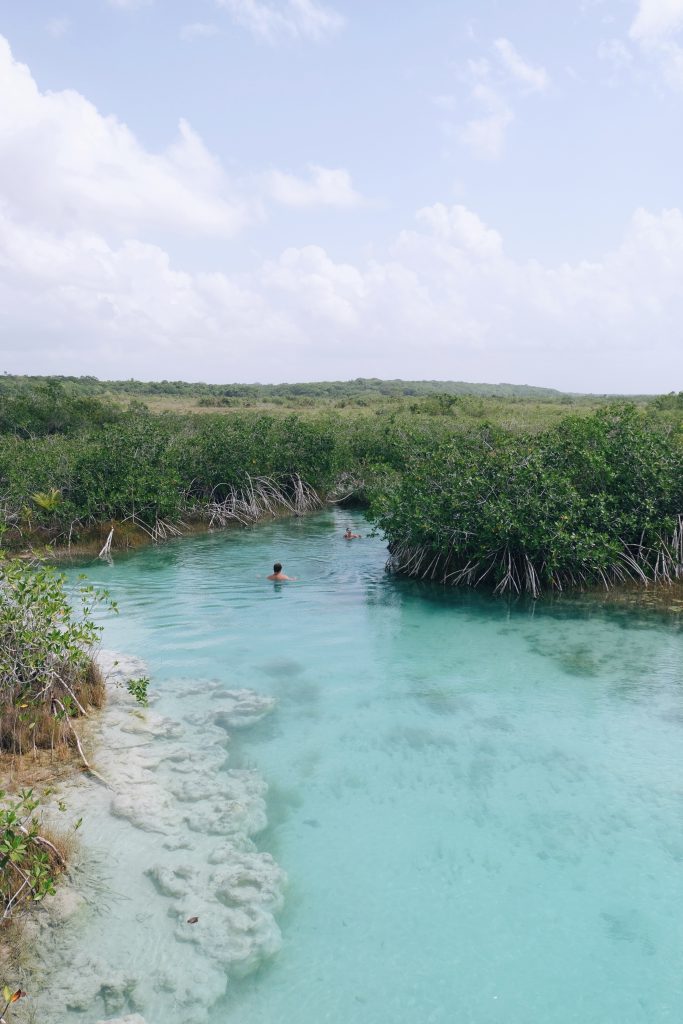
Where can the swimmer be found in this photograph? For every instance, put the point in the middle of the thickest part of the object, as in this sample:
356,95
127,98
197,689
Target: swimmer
278,575
351,536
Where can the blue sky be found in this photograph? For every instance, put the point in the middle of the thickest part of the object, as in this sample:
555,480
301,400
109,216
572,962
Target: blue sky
290,190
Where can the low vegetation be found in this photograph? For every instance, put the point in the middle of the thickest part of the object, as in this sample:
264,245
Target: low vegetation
48,682
47,674
30,863
517,488
595,500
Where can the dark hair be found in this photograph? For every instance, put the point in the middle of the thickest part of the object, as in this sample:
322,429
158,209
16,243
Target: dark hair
277,567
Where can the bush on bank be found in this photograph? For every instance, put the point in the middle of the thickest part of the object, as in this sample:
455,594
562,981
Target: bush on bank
47,673
171,467
48,679
597,499
593,498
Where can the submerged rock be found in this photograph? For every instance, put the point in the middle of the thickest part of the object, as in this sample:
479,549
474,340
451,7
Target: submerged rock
231,905
242,708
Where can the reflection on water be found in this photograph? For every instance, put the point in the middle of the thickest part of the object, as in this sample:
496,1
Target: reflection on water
476,802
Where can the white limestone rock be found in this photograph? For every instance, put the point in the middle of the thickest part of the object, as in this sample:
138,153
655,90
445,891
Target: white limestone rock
242,708
234,903
147,808
159,784
119,668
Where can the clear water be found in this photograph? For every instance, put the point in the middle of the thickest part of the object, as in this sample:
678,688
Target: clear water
479,806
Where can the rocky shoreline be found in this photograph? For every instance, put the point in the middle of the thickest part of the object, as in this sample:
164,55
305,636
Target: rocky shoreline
202,899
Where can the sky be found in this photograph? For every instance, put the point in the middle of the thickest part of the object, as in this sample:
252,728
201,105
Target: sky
291,190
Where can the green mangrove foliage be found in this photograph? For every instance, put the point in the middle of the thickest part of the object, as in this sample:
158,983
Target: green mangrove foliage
47,680
48,406
519,500
598,499
138,689
47,674
29,861
160,470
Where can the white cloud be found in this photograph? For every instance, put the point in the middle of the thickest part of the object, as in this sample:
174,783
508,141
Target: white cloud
484,135
444,301
655,25
460,228
656,19
198,30
286,19
492,89
325,187
62,163
64,166
83,289
535,79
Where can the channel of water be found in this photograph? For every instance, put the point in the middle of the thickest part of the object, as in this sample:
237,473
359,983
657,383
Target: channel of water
454,809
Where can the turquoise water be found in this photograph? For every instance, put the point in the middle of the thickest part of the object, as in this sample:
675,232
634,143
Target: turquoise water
479,806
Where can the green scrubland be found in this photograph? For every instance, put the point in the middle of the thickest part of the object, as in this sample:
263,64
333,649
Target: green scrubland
520,489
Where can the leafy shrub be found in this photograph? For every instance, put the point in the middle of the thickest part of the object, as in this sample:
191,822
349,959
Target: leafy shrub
48,407
138,688
47,675
29,863
597,499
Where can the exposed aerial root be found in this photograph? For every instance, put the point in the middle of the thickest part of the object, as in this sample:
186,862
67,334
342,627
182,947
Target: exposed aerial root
515,572
262,497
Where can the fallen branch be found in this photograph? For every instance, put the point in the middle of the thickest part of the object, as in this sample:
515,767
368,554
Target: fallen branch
76,737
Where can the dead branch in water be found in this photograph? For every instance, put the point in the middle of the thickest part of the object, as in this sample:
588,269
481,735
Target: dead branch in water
105,553
89,768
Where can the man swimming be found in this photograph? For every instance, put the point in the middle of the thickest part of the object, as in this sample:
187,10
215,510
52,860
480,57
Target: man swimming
277,573
351,536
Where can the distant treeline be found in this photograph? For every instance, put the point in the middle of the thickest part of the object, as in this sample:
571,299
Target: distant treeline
332,390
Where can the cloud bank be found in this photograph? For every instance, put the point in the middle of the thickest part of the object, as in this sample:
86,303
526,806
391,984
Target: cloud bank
86,285
63,164
444,301
656,19
654,27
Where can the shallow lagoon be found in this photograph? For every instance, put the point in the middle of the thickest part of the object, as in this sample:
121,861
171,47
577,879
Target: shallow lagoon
478,805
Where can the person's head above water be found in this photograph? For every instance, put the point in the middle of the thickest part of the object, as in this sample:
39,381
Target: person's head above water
277,573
